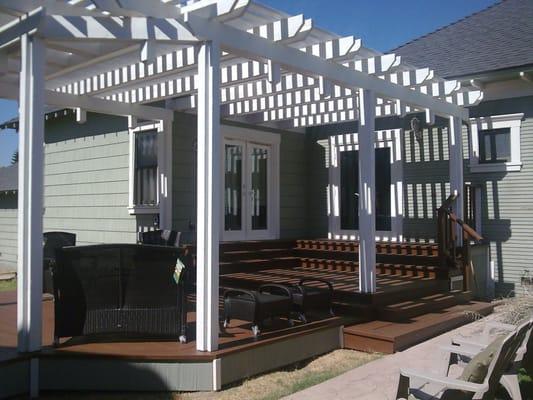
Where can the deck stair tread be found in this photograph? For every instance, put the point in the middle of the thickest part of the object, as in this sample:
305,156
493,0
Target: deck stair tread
415,307
393,336
383,268
381,247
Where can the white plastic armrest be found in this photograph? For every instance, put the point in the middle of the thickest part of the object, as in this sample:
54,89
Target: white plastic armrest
449,383
500,325
462,350
481,343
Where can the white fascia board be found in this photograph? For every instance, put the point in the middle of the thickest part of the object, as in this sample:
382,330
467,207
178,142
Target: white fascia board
242,43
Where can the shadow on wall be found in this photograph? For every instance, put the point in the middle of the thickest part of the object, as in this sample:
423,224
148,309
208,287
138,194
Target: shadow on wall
143,383
426,187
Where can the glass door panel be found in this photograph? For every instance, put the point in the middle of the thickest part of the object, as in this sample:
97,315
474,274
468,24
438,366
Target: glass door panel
233,186
259,187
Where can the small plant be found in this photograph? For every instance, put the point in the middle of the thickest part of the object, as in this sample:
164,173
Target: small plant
514,310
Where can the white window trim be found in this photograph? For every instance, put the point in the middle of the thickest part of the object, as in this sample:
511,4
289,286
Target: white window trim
387,138
512,121
164,158
273,140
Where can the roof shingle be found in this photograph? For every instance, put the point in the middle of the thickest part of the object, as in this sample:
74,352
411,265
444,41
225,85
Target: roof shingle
496,38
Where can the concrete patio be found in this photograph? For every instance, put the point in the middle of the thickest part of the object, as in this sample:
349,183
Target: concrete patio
364,383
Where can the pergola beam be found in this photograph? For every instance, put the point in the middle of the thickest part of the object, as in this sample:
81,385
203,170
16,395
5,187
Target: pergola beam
95,104
27,24
239,42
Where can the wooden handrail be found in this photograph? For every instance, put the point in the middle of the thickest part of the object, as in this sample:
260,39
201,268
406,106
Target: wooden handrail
450,255
472,233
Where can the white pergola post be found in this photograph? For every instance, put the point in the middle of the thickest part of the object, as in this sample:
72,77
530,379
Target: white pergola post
367,190
455,147
209,196
30,201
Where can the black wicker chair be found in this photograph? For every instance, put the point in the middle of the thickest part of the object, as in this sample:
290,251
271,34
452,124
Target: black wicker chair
51,242
269,301
160,238
306,298
123,290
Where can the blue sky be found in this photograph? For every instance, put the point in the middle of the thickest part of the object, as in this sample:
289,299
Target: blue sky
381,24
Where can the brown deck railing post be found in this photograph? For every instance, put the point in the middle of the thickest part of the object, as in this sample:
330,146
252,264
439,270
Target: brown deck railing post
446,238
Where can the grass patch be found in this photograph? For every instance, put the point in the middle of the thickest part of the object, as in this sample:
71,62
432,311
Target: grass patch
272,386
276,385
9,285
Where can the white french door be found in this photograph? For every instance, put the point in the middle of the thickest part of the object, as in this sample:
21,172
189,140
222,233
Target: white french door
248,186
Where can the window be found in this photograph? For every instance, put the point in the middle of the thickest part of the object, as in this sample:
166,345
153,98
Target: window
495,143
146,168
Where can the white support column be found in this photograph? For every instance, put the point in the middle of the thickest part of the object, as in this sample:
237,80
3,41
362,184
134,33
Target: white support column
367,190
30,199
455,147
209,197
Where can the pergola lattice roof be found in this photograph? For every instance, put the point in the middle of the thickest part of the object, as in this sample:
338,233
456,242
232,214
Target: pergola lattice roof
139,52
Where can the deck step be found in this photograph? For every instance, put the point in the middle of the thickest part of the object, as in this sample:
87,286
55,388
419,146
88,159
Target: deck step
238,255
413,308
257,245
400,248
389,337
381,268
349,255
257,264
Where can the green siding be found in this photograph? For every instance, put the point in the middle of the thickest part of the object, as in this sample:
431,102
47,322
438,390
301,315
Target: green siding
8,232
293,183
86,185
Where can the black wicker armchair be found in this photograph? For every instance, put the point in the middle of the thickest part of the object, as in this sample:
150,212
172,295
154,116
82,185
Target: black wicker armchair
160,238
123,290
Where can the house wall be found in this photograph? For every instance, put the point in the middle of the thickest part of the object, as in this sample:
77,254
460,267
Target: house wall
507,198
293,177
85,185
8,232
86,180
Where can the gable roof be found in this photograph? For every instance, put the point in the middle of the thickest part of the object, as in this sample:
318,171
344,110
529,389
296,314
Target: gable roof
9,177
496,38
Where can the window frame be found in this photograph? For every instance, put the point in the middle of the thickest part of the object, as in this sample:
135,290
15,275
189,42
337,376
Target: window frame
508,121
135,209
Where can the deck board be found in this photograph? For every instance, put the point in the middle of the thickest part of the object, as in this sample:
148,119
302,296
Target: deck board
237,337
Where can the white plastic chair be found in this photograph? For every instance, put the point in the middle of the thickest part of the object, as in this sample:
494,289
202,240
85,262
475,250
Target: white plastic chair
485,390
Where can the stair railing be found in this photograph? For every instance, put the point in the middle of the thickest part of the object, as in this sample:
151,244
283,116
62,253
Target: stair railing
450,255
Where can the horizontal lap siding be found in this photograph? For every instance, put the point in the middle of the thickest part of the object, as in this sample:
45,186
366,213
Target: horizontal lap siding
507,205
8,235
426,181
293,186
86,188
508,214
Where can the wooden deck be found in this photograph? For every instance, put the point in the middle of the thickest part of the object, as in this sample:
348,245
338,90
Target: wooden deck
235,338
412,304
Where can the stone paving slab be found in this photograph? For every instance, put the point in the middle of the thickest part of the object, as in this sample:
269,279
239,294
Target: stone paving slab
378,380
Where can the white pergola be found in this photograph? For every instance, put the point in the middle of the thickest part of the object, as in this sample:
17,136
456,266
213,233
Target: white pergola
233,59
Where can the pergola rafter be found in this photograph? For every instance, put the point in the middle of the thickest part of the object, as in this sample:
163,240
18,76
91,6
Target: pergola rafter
219,58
